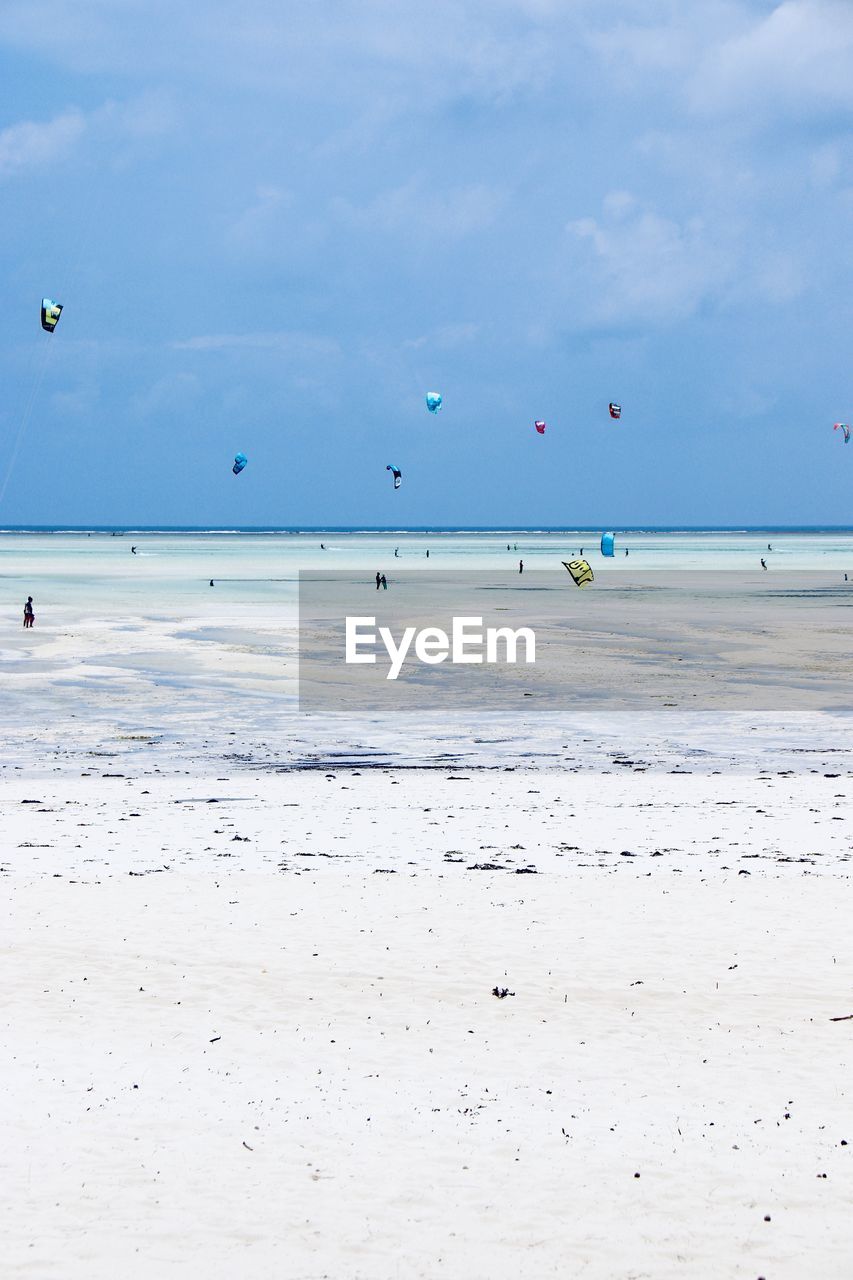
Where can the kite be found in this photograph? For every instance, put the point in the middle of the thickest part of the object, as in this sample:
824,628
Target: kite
615,410
581,572
607,540
540,426
433,401
397,473
239,463
50,313
842,426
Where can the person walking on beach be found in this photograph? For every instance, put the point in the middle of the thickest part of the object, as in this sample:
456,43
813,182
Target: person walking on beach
763,563
384,583
378,580
427,553
29,615
521,566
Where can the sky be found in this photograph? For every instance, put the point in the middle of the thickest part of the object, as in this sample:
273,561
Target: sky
274,228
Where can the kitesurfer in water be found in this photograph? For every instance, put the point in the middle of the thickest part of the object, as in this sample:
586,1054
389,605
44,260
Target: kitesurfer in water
29,615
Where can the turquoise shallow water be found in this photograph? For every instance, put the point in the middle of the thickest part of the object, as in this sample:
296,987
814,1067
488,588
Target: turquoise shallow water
86,572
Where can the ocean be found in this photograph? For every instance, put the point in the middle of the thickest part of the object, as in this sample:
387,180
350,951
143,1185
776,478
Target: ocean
82,570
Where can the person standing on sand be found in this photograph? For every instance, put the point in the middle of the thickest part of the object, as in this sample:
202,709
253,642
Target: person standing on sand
378,581
384,583
521,566
29,615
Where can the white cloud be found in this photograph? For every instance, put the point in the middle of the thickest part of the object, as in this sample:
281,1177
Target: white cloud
447,337
825,165
288,343
637,265
165,394
643,266
424,52
417,209
258,223
796,57
30,145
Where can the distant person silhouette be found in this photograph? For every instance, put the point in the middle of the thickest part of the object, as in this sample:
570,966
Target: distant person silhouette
378,581
764,564
521,566
29,615
384,583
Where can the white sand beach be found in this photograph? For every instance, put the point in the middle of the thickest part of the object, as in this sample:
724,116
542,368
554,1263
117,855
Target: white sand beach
249,1028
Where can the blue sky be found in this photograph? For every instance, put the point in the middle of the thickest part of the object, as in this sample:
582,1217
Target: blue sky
275,227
